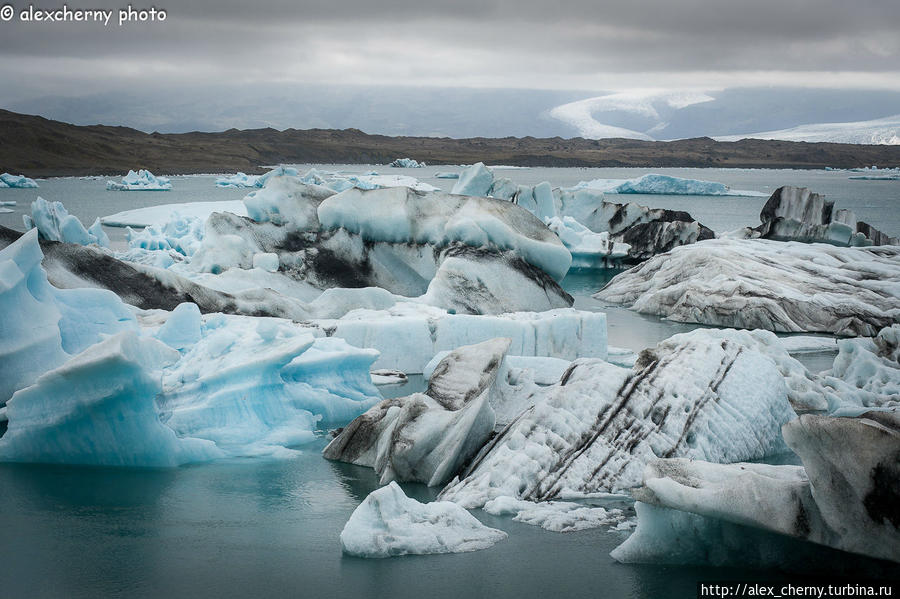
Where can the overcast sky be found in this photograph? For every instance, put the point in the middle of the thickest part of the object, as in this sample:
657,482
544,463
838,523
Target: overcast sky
581,44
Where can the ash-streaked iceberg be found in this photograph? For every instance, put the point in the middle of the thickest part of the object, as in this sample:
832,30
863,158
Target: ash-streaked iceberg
589,250
778,286
388,524
142,180
694,395
17,181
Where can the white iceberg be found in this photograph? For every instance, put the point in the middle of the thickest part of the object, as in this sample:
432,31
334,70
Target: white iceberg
16,181
238,180
54,223
388,523
589,250
558,516
142,180
664,185
779,286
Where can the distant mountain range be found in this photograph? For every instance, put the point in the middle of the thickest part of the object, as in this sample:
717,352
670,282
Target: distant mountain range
36,146
795,114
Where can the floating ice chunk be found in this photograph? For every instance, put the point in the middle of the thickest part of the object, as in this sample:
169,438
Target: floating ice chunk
160,215
388,523
43,326
407,163
54,223
446,175
589,250
17,181
427,437
98,408
476,180
384,377
664,185
556,516
238,180
142,180
780,286
7,203
404,216
696,396
382,181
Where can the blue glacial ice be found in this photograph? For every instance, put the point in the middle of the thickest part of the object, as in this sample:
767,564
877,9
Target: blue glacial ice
54,223
99,408
238,180
664,185
589,250
16,181
49,325
388,524
142,180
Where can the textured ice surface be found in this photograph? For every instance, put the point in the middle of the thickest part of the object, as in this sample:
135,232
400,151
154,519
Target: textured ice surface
99,408
589,250
160,215
427,437
288,201
403,216
17,181
557,516
778,286
388,523
695,395
142,180
43,326
844,496
54,223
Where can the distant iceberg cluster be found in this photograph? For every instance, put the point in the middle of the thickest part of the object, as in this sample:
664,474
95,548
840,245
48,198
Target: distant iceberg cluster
407,163
141,180
16,181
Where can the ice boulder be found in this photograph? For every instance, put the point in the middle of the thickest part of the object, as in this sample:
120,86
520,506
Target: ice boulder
476,180
16,181
778,286
589,250
427,437
388,523
54,223
407,163
695,395
287,201
142,180
43,326
99,409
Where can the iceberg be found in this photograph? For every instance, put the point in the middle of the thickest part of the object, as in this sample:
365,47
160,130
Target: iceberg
159,216
446,175
388,523
54,223
558,516
694,395
664,185
589,250
838,498
427,437
16,181
45,326
407,163
238,180
99,408
287,201
778,286
142,180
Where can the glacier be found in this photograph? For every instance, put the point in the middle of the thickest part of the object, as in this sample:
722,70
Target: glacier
16,181
878,131
388,523
778,286
143,180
